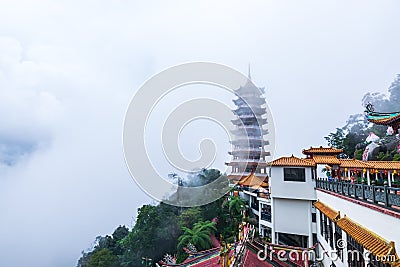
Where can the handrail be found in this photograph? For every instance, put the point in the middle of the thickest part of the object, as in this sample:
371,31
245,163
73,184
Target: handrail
383,196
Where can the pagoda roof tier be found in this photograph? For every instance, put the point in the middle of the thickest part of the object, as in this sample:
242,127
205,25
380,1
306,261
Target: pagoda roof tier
249,121
250,88
249,113
243,162
250,116
250,127
249,152
259,141
243,131
249,101
256,110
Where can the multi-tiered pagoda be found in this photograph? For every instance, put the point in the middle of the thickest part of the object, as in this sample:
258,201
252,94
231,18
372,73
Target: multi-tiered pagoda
248,144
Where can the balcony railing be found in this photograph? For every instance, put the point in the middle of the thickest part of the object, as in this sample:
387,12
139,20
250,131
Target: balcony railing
384,196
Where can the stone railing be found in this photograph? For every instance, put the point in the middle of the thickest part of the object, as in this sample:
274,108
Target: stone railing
385,196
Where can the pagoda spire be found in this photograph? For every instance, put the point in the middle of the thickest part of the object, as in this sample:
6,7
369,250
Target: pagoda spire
249,74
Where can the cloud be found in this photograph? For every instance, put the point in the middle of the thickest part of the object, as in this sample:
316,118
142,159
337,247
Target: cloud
63,178
68,70
28,108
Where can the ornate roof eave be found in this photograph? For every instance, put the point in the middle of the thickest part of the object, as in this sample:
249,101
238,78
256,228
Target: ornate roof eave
371,241
292,162
332,214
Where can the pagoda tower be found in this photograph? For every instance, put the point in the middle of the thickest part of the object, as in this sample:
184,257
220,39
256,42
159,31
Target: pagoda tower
248,143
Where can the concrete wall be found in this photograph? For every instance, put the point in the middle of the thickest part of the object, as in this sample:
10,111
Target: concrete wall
384,225
292,216
293,190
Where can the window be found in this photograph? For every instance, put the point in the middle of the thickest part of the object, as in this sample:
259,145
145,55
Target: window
294,174
313,217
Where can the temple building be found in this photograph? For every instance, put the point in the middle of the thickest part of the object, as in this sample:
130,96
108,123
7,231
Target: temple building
314,210
345,211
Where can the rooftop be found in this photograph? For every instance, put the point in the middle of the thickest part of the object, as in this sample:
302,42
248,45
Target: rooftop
292,161
322,150
368,239
253,181
333,160
332,214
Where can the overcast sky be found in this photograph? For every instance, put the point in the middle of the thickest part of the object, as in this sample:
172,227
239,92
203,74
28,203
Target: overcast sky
68,70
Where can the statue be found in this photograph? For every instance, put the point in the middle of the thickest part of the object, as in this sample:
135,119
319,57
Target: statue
224,258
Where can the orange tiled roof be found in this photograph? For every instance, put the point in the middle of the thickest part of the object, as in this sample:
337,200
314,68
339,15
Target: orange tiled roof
253,181
355,163
292,161
326,159
332,214
322,150
386,165
368,239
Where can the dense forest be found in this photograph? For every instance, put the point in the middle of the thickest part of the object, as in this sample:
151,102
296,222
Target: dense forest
163,229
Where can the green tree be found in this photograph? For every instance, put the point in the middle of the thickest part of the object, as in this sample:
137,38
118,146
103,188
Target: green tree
236,205
154,234
189,217
199,235
396,157
120,233
358,154
383,156
336,139
103,258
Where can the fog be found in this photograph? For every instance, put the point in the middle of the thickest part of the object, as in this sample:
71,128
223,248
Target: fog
69,69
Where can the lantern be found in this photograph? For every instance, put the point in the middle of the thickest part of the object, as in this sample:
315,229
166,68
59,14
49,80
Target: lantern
386,171
345,169
394,172
365,170
376,171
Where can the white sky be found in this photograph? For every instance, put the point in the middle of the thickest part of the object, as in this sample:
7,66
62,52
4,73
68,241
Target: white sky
68,70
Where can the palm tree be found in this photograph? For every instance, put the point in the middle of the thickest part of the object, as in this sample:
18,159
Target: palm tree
236,205
199,236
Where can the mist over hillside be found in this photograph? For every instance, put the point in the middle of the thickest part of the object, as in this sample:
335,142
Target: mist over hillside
352,137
